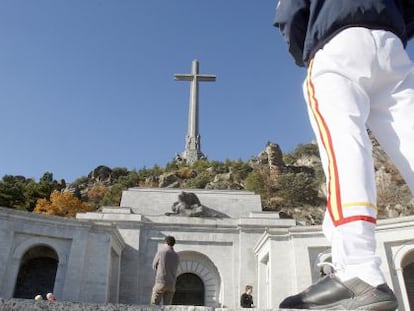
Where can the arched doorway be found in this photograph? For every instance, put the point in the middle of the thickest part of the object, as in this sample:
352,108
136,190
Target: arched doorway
408,273
37,272
200,266
189,290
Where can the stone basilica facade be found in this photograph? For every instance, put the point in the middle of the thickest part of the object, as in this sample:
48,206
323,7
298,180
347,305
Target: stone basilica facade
224,241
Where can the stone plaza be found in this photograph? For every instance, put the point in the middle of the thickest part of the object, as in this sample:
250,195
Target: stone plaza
106,256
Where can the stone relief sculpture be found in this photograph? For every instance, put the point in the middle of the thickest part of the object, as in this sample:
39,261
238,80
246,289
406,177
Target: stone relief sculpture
189,205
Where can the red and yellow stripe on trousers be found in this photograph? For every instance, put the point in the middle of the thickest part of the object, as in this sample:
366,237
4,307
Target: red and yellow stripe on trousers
334,203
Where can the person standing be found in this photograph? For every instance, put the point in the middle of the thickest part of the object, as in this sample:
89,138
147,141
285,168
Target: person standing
165,264
246,299
359,77
50,297
38,298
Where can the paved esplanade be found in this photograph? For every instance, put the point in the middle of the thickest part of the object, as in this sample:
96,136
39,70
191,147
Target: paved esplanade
192,151
32,305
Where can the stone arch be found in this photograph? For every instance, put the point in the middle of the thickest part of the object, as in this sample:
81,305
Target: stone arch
201,266
404,266
24,242
408,273
37,272
407,268
23,247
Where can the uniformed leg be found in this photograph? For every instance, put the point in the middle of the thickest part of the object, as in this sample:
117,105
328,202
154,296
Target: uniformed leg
339,107
392,111
337,91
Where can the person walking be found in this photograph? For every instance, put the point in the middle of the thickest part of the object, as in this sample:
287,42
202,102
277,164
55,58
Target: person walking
165,264
359,77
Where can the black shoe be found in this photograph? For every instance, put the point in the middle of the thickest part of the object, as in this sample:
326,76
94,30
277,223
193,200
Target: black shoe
332,294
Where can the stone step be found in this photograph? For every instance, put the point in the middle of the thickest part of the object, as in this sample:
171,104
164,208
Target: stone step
31,305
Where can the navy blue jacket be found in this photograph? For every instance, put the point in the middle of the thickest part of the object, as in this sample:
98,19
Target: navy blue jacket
308,24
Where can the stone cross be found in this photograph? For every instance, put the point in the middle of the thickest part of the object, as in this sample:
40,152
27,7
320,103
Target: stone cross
192,151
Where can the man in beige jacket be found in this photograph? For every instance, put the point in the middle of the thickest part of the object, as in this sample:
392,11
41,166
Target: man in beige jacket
165,264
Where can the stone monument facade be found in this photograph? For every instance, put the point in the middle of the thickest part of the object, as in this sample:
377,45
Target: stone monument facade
106,256
192,151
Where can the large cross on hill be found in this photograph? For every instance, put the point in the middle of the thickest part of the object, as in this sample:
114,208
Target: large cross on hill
192,151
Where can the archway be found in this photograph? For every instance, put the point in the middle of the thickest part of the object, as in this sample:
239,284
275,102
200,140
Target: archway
408,273
37,272
403,260
189,290
198,269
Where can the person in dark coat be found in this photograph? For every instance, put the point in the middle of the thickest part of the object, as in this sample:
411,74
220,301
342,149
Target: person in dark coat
246,299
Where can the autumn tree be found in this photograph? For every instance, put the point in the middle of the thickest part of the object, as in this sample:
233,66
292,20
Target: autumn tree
61,204
96,194
41,190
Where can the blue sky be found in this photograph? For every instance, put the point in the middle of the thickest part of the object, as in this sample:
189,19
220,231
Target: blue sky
91,82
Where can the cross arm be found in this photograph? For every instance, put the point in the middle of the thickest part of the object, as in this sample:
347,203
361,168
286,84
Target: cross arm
206,78
183,77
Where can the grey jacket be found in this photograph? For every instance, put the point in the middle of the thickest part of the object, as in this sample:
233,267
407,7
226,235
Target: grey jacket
166,263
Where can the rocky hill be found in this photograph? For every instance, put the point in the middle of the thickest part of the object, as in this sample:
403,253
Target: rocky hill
292,184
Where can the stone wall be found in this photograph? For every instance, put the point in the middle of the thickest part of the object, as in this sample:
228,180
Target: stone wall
156,202
81,248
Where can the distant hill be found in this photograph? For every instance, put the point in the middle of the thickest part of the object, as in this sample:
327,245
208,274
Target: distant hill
291,183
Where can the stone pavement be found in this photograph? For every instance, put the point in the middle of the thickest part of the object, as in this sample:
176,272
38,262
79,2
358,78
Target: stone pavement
31,305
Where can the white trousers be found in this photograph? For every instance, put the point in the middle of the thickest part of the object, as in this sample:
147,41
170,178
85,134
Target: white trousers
360,79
